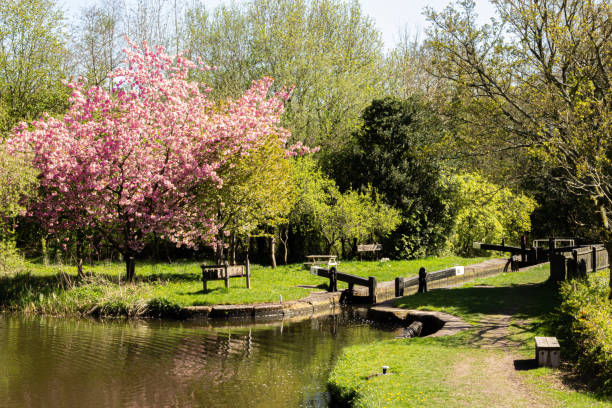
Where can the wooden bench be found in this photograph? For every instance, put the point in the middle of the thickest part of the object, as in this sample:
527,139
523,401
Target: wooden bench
374,248
320,260
548,351
225,272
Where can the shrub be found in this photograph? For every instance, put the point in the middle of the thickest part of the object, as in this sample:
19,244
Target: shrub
585,328
11,261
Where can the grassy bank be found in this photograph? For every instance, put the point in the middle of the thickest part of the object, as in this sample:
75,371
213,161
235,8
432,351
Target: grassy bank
164,289
489,365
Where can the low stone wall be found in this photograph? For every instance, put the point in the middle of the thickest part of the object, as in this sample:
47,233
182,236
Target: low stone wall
316,303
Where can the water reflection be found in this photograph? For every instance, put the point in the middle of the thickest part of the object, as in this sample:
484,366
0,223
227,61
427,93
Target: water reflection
60,362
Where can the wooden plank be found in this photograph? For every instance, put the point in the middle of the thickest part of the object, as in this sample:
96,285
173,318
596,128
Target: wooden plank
354,279
369,247
438,275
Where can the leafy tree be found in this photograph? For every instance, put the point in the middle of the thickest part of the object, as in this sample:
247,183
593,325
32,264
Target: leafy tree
392,152
32,61
97,41
488,213
542,79
129,162
328,49
17,186
257,191
338,217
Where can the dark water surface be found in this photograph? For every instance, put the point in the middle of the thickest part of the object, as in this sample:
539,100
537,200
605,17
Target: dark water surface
52,362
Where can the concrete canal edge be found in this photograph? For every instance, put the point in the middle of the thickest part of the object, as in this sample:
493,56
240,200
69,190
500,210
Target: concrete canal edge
435,324
316,303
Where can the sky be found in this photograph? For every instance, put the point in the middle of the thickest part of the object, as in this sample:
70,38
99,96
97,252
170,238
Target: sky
391,16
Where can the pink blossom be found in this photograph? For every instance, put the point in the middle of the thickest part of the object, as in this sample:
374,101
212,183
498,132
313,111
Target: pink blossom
129,161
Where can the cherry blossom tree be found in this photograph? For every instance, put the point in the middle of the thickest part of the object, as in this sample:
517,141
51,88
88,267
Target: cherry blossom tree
130,161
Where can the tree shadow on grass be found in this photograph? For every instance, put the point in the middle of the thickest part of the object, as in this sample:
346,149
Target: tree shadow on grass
201,292
522,301
24,287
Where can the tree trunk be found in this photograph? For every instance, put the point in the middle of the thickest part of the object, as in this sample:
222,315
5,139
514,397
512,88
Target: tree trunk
219,250
79,255
342,242
45,255
609,249
273,250
284,239
130,267
233,253
285,245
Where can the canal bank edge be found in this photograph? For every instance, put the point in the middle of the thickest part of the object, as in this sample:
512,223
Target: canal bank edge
314,304
318,303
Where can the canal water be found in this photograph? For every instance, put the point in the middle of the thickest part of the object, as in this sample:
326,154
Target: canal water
52,362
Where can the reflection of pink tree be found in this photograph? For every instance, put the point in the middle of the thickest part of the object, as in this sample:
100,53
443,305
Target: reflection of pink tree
129,162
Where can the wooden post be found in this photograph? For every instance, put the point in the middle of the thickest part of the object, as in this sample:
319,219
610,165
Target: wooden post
333,280
372,287
204,288
524,248
248,273
551,247
350,288
226,276
399,287
594,259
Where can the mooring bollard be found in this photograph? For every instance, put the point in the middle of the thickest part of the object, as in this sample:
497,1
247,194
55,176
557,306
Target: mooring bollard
385,368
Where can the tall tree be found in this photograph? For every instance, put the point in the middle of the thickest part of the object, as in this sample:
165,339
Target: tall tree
97,41
128,163
328,49
33,58
393,152
541,78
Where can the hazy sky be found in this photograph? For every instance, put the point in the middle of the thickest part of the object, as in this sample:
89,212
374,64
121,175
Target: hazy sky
391,16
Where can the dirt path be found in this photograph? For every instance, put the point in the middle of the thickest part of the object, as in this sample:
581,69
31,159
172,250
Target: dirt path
491,379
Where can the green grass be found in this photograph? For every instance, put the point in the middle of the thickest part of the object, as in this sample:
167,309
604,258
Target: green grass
164,289
388,271
524,294
453,370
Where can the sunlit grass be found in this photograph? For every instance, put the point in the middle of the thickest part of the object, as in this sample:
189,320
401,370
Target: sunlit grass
423,371
164,289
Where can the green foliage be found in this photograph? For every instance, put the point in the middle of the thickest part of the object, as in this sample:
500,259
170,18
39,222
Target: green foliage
17,185
393,152
32,61
487,213
339,217
257,190
11,261
584,323
537,79
329,50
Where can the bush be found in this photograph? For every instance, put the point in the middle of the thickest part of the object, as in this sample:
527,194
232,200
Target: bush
585,328
11,261
486,213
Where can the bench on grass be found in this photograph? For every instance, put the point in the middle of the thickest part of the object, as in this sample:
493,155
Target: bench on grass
225,272
365,248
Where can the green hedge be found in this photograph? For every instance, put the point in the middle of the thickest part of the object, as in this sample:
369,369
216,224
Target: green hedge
585,329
